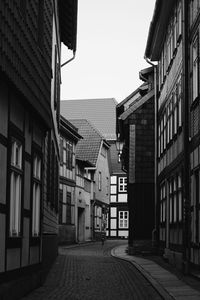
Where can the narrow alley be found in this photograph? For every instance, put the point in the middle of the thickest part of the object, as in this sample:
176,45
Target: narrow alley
90,272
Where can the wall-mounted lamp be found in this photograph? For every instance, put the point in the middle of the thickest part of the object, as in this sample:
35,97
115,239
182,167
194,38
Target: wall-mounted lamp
119,146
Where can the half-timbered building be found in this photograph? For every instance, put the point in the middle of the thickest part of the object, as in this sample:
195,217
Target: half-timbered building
67,199
31,34
93,173
166,44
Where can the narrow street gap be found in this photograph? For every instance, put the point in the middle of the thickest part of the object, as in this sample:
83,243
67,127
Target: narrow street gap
90,272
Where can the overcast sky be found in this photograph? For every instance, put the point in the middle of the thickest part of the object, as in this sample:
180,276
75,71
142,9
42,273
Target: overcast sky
111,41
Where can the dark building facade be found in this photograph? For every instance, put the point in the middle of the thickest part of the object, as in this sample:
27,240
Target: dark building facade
136,128
172,142
194,130
29,114
178,128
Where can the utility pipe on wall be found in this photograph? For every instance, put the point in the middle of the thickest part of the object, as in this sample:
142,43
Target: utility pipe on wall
155,231
74,55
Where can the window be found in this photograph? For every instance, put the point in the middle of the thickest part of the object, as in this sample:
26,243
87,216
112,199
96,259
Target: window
175,112
15,188
163,203
159,140
60,205
195,208
113,180
66,208
61,151
170,202
36,202
164,131
179,198
175,199
122,184
123,219
69,155
161,135
98,218
171,119
195,70
99,181
179,95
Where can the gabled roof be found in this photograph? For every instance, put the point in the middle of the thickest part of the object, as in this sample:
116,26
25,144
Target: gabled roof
132,95
158,27
101,113
136,105
68,129
88,148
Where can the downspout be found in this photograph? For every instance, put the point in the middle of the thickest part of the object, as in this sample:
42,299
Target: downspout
155,230
186,177
69,60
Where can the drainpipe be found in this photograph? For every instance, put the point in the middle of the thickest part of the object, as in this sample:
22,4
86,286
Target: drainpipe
186,171
155,230
69,60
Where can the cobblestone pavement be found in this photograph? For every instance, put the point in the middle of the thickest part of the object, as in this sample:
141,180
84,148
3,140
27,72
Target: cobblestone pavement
90,272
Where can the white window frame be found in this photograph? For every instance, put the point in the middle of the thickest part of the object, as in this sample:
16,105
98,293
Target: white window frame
36,197
122,184
123,219
15,188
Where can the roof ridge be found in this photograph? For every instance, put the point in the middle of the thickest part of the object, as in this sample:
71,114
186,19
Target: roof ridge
87,130
91,99
92,126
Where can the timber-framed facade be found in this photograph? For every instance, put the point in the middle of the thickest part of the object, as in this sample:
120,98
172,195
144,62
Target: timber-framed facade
29,156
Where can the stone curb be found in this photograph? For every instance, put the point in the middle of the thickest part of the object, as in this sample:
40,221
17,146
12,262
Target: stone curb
155,284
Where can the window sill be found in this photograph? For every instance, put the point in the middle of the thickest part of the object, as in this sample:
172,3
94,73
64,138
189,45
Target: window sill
35,240
14,242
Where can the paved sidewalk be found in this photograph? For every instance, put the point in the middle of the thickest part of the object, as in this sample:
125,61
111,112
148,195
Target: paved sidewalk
167,284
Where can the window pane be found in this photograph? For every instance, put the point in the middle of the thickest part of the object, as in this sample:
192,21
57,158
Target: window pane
36,195
15,204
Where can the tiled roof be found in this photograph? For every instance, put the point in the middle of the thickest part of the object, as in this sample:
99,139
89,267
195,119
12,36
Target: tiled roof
100,112
69,129
87,148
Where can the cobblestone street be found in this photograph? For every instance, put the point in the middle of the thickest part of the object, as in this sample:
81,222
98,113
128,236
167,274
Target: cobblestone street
90,272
